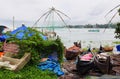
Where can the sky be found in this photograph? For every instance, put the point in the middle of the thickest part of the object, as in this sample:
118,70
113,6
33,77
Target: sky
80,11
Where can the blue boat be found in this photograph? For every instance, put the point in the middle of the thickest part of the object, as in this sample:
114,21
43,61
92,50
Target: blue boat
93,30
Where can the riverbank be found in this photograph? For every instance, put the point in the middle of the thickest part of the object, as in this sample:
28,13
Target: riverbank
69,67
92,44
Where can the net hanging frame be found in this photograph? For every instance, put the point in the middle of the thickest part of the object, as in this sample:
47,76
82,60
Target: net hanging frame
112,16
49,12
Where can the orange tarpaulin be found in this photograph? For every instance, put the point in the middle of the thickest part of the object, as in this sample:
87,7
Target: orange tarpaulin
74,48
1,54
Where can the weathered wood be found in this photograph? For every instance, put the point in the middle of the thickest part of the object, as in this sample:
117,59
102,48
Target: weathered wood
23,61
84,66
104,66
14,63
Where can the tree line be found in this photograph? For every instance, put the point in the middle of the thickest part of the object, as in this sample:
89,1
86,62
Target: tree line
93,26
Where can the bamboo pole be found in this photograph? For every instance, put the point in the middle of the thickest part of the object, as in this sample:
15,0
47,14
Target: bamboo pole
13,23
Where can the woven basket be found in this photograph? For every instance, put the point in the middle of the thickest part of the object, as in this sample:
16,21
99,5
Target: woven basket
10,49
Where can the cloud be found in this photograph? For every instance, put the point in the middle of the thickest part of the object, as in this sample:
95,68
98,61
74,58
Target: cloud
80,11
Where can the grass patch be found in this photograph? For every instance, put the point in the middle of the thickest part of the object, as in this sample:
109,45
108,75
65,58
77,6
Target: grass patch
28,72
116,42
87,77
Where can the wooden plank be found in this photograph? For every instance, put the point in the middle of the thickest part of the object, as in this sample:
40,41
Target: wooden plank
14,63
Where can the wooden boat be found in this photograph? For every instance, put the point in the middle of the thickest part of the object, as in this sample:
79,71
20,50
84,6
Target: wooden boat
78,44
100,49
93,30
72,52
108,49
83,66
103,65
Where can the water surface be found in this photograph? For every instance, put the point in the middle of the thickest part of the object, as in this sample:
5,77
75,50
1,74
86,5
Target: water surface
104,37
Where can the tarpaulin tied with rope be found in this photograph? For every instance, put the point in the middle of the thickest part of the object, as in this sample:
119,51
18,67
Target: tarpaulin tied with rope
20,32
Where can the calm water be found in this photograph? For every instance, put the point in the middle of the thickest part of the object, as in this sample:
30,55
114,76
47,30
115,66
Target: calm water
92,38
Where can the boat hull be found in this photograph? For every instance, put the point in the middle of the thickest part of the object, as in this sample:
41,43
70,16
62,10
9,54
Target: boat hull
71,54
83,67
104,66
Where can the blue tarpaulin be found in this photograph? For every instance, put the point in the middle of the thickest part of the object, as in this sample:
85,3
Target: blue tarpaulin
51,65
20,32
118,47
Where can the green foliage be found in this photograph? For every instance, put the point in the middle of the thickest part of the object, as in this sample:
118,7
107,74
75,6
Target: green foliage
117,29
87,77
119,11
28,72
37,46
116,42
60,49
1,44
112,25
85,49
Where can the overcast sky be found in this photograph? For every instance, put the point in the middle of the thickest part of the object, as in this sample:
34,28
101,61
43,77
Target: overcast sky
80,11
